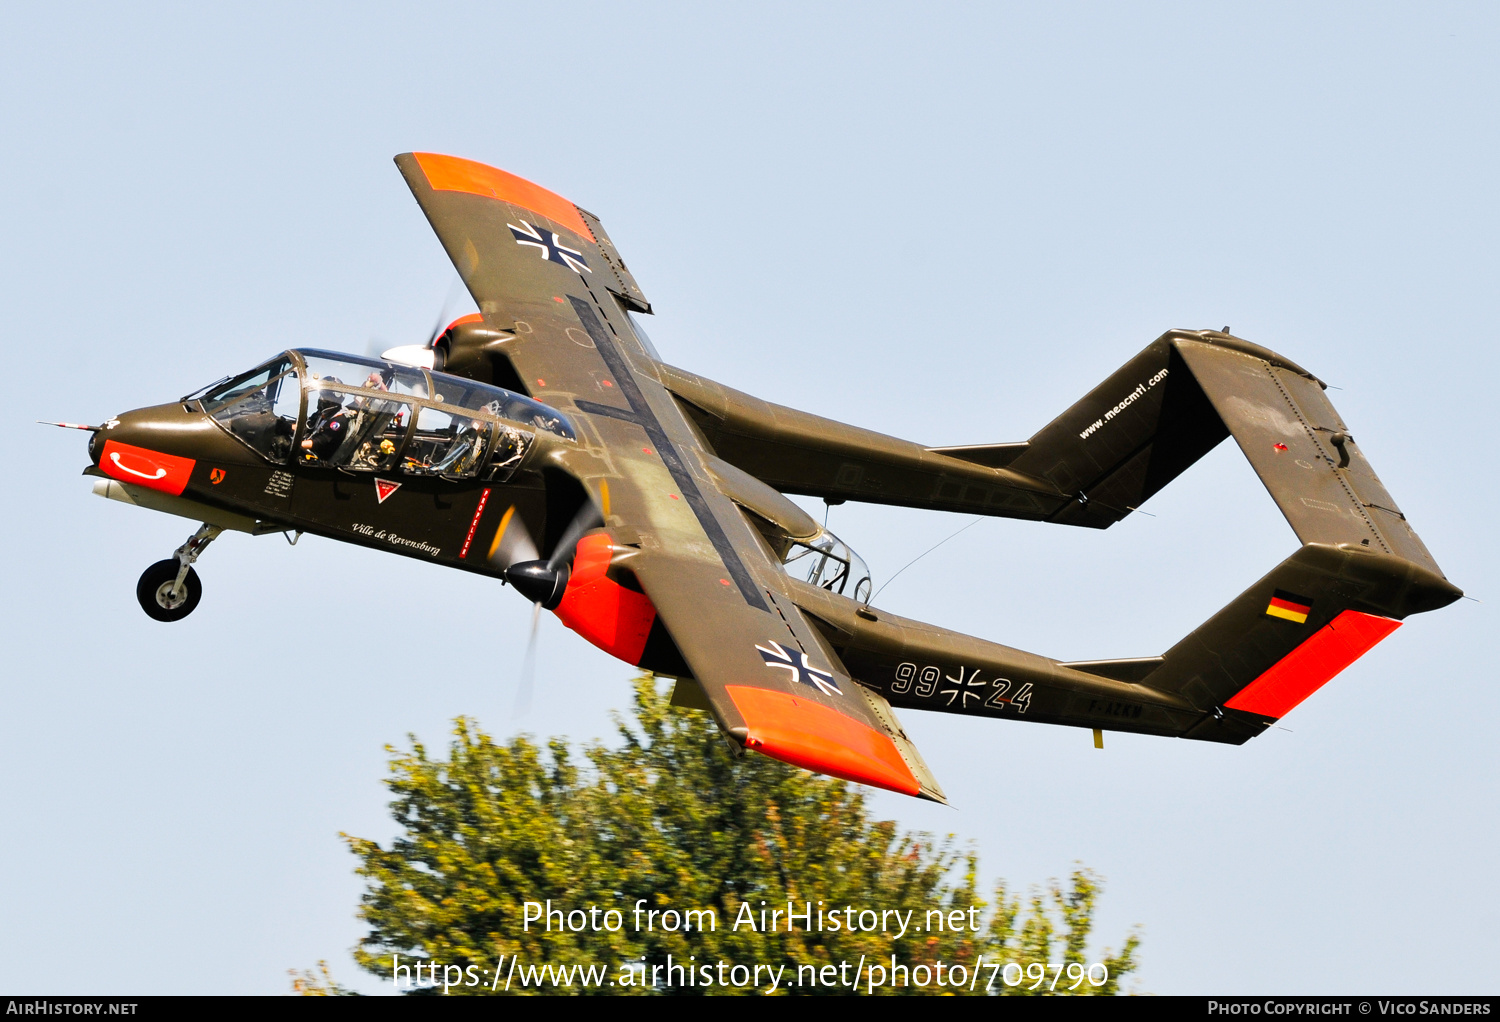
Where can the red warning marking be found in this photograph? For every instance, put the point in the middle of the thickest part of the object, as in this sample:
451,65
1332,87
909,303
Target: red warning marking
1281,447
674,496
541,383
483,499
608,384
645,450
557,299
723,581
383,489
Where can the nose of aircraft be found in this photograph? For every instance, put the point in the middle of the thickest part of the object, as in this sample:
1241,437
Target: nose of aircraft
159,446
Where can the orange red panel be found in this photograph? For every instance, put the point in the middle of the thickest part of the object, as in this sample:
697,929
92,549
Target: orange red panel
454,174
142,467
616,619
1311,665
808,734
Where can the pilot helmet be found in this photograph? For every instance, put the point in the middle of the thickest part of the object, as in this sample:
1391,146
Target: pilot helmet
329,400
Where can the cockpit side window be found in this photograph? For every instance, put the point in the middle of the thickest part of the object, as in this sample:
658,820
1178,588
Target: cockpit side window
360,414
260,408
450,444
353,431
511,445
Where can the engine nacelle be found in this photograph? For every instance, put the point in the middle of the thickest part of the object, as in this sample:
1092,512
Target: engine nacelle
471,349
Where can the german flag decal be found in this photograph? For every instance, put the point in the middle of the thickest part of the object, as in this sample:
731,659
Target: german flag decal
1289,606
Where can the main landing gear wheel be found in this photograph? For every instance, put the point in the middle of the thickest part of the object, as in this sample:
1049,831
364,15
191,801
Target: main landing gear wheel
160,595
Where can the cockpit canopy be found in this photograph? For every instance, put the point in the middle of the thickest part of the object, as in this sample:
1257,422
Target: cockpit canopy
826,561
329,410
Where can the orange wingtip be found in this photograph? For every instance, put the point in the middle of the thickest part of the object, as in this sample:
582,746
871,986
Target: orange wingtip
808,734
1313,664
455,174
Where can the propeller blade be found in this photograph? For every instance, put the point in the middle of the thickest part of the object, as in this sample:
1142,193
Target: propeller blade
512,543
588,517
421,355
528,667
456,291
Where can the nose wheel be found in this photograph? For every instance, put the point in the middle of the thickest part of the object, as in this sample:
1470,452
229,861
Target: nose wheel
169,590
162,596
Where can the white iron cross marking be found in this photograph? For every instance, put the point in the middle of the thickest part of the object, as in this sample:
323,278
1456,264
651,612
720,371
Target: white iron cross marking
796,662
551,248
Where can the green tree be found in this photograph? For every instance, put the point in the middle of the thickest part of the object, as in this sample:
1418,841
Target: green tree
672,823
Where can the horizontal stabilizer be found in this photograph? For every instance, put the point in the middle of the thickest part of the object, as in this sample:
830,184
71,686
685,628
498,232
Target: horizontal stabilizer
1302,451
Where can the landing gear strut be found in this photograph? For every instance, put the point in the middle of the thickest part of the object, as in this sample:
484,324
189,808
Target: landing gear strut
169,590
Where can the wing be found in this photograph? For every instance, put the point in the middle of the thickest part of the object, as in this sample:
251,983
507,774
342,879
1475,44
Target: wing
554,293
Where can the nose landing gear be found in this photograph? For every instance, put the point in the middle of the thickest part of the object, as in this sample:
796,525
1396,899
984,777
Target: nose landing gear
169,590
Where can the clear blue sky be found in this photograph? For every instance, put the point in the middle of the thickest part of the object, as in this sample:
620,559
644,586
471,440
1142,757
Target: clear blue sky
885,214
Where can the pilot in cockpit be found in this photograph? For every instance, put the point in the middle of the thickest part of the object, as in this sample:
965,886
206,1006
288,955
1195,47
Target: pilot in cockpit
327,426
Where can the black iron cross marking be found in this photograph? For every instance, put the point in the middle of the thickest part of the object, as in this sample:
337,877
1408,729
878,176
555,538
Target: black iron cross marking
796,662
551,248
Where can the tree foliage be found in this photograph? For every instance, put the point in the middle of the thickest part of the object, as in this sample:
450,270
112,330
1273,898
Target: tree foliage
671,820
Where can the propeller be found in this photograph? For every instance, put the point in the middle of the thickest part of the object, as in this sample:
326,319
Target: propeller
424,355
543,582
